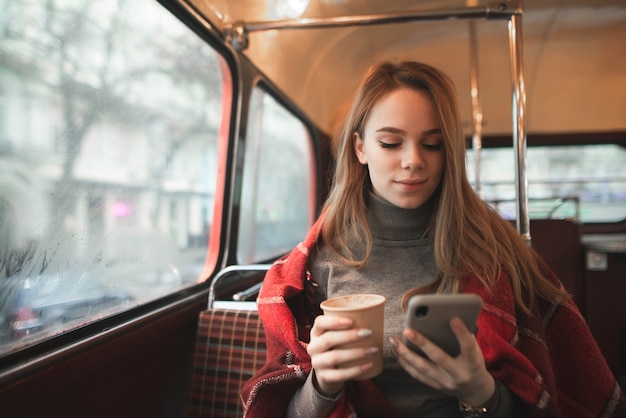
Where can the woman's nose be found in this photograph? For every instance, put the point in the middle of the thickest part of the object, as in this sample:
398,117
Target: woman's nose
412,159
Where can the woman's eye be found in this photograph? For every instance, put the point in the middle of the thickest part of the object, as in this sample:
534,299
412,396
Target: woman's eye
434,147
387,144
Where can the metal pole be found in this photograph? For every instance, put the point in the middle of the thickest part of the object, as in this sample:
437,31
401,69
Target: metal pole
477,114
519,129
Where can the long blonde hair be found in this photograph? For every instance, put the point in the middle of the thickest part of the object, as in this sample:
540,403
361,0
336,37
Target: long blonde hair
468,237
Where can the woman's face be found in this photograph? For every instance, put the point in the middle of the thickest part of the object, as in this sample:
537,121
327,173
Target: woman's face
402,147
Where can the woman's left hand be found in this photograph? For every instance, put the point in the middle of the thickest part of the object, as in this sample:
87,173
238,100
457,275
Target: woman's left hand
465,376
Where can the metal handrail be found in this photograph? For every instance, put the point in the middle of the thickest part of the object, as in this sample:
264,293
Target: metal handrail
236,32
225,272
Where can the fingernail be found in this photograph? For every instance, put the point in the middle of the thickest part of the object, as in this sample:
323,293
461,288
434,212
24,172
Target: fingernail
409,333
367,366
364,333
393,342
371,350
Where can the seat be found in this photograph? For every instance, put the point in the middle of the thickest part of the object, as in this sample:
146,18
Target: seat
559,242
229,349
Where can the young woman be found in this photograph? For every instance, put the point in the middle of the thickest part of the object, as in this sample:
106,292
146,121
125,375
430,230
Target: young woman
402,219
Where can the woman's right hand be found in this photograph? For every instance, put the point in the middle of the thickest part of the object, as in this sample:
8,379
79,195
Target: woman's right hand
328,335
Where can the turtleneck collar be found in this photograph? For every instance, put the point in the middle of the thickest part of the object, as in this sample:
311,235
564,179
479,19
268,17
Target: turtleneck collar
390,222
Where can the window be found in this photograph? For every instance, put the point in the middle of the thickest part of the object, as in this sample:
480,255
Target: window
108,161
583,182
277,202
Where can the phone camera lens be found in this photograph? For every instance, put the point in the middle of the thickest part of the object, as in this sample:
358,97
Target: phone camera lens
421,311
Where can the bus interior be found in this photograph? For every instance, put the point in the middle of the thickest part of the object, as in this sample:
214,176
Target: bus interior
148,148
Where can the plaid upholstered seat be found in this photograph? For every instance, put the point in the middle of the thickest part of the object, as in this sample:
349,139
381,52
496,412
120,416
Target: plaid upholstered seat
230,348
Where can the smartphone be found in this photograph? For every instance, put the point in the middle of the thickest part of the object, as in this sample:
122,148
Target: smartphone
431,314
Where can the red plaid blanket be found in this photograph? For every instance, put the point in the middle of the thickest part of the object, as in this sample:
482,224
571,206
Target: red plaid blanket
550,359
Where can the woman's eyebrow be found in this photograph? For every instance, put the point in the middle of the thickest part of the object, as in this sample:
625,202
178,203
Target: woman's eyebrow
435,131
390,129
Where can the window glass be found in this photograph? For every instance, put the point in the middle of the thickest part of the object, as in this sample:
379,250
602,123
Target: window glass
277,201
583,182
110,114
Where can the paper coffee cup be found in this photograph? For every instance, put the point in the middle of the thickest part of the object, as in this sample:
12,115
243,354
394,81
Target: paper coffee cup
367,311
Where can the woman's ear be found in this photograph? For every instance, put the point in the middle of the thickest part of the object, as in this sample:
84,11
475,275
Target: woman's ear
358,148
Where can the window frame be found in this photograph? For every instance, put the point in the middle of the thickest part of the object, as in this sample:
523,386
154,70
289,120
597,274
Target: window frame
53,350
313,138
617,138
251,78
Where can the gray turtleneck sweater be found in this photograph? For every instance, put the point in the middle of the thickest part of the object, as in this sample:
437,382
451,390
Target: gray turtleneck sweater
401,259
